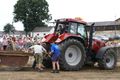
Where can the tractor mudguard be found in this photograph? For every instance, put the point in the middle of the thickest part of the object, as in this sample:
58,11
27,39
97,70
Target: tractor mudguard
101,52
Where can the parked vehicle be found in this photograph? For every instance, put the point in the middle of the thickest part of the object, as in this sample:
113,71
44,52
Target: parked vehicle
100,37
115,37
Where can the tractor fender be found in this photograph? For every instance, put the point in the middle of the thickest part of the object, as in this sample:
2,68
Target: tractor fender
77,38
59,40
102,50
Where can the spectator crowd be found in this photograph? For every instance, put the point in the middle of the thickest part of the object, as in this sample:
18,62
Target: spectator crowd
18,43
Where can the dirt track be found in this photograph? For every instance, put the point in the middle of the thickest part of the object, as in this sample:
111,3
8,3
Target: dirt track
86,73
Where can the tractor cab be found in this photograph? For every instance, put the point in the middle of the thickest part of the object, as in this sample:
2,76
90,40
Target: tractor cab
72,26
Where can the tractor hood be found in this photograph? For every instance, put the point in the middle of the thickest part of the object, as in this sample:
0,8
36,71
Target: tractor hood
57,38
50,38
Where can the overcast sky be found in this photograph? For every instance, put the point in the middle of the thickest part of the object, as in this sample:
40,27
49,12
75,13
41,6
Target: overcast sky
88,10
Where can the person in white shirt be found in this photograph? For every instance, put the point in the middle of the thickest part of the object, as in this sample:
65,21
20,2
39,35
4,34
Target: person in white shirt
38,51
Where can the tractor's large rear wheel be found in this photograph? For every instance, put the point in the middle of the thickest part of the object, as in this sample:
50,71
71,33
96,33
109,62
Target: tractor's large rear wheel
108,60
72,55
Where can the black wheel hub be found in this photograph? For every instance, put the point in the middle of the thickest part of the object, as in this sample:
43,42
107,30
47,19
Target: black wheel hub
70,55
107,60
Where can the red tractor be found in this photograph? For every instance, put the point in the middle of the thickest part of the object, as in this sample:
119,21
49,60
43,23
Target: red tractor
78,48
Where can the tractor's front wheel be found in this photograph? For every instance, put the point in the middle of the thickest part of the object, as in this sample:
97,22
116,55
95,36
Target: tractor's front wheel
72,55
108,60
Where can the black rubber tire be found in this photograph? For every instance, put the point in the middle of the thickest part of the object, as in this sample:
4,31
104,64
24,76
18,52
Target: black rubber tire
63,63
102,62
47,62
